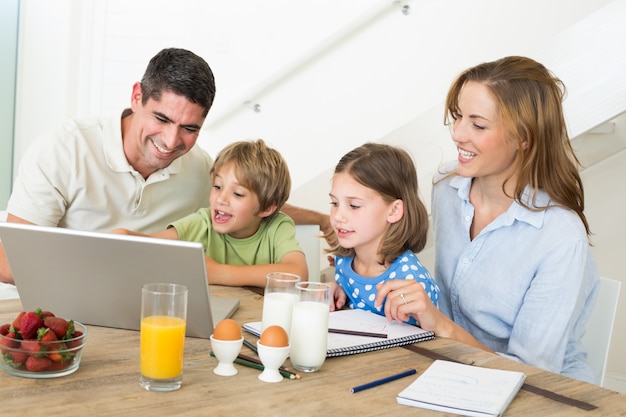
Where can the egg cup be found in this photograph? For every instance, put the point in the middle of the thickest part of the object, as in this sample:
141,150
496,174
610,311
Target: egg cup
226,351
272,358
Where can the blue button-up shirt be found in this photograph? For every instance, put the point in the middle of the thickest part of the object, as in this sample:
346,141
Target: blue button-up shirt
525,286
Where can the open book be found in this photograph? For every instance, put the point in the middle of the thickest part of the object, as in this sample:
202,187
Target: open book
463,389
362,321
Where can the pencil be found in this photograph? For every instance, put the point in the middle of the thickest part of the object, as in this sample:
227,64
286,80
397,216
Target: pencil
260,367
250,346
358,333
258,362
383,381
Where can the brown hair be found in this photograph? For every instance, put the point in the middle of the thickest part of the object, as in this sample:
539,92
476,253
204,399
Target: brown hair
529,99
390,171
259,168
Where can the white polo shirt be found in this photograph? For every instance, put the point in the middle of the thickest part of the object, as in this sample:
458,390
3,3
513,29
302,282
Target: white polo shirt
79,178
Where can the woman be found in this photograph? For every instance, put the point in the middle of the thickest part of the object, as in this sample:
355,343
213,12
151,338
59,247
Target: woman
513,257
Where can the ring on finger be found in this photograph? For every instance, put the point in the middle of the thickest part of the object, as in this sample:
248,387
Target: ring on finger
403,299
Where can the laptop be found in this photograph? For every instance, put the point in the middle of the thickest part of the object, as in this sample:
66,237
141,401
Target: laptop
96,278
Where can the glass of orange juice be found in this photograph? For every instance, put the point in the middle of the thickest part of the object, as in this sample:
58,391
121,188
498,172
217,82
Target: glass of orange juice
162,335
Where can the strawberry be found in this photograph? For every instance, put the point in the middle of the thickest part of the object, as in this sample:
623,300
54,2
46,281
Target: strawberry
55,356
57,366
32,346
46,335
29,325
4,329
18,321
48,338
37,364
9,341
46,313
74,342
19,357
58,325
16,358
51,345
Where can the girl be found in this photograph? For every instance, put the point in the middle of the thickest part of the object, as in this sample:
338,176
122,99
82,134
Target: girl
380,224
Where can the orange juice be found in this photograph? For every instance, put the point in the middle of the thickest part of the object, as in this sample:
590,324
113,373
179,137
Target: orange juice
162,347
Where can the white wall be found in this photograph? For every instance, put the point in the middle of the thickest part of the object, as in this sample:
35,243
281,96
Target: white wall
328,74
342,71
604,154
9,11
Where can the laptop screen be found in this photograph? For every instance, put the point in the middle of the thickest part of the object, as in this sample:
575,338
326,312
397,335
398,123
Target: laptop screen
96,278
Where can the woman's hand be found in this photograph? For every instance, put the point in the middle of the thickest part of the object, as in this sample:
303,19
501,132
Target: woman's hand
407,298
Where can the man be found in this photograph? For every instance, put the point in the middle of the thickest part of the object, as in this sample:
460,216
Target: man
140,172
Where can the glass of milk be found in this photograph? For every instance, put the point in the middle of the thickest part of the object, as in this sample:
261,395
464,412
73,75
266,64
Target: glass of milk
309,326
280,295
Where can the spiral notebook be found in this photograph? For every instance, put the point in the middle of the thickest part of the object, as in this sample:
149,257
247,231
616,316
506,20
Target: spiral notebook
362,321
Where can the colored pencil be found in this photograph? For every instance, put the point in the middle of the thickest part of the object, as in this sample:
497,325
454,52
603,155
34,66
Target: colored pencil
358,333
258,362
383,381
260,367
250,346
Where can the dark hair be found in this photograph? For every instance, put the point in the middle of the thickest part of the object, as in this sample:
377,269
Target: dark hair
529,99
181,72
390,171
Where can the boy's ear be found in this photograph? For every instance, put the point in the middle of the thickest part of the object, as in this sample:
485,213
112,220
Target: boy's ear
396,211
268,212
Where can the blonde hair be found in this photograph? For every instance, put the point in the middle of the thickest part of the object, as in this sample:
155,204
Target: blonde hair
260,169
529,99
390,172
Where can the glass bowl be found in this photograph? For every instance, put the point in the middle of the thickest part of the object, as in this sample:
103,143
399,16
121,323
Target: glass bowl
35,359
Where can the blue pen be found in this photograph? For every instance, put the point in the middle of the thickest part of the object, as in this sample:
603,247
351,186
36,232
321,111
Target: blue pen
383,381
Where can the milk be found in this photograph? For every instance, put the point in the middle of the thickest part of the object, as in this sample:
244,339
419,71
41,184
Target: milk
277,310
309,335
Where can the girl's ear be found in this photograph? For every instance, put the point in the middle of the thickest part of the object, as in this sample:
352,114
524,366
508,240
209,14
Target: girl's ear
396,211
525,144
268,212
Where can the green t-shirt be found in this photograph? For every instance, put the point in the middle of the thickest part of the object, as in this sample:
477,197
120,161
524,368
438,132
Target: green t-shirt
275,238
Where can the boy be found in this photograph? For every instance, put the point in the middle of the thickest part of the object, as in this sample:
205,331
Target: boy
244,234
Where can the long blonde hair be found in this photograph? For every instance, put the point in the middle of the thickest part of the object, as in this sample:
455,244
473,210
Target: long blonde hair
529,98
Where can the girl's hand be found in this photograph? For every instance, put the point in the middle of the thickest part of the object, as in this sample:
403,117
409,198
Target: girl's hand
338,297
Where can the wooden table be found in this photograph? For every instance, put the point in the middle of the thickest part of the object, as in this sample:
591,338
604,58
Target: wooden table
107,383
